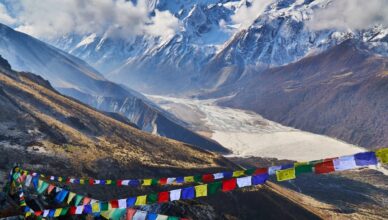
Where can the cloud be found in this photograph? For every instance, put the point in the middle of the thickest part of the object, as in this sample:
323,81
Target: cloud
249,12
117,18
5,18
350,14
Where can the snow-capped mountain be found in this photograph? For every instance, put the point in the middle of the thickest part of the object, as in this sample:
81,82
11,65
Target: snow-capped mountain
75,78
212,47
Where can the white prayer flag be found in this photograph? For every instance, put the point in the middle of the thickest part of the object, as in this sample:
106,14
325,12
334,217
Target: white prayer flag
125,182
79,209
244,181
122,203
218,176
162,217
28,180
171,180
272,170
344,163
140,215
46,212
175,194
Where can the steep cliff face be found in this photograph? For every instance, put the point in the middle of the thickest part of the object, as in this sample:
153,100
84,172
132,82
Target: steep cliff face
340,93
75,78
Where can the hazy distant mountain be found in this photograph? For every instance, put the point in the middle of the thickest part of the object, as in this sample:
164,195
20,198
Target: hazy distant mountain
341,93
212,50
75,78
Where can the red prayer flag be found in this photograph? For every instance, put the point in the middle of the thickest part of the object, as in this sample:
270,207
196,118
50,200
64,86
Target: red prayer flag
114,203
324,167
72,210
130,213
91,181
163,181
119,182
207,178
228,185
163,197
38,213
261,171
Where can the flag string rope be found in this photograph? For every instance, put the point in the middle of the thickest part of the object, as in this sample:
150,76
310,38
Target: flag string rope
282,173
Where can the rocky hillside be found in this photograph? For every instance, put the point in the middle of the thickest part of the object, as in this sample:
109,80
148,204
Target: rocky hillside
340,93
75,78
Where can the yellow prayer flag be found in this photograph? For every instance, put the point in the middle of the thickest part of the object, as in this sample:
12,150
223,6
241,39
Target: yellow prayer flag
383,155
28,214
300,164
287,174
141,200
188,179
108,182
81,181
57,212
238,173
107,214
70,197
60,179
147,182
96,207
40,182
201,190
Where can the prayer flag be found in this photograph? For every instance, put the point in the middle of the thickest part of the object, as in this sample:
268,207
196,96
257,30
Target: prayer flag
162,181
43,187
147,182
201,190
238,173
197,178
77,200
261,171
187,193
50,188
141,200
172,218
134,183
207,178
228,185
61,196
171,180
259,179
104,206
287,174
365,158
79,210
324,167
218,176
214,187
227,175
272,170
382,154
162,217
140,215
28,180
303,168
114,204
70,197
189,179
244,181
180,179
175,194
122,203
163,197
96,207
344,163
117,214
46,212
86,200
64,211
152,198
131,201
57,212
130,213
88,209
152,216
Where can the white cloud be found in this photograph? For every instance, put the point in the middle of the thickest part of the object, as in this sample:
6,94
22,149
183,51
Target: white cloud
246,15
118,18
5,18
351,14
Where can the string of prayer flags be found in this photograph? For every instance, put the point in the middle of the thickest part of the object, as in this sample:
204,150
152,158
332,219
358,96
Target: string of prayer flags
286,174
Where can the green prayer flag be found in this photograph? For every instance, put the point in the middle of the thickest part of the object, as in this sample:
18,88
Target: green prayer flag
172,218
304,168
43,187
77,200
198,178
213,188
249,172
104,206
64,211
154,182
117,214
152,198
114,182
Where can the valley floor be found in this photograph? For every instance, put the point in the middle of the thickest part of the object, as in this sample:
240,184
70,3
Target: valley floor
249,134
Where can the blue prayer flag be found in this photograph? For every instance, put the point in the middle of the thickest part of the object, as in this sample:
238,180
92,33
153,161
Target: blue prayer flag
134,183
188,193
366,158
259,179
61,196
88,209
131,201
180,179
228,175
152,216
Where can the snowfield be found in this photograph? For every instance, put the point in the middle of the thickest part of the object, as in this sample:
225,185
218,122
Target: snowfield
249,134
